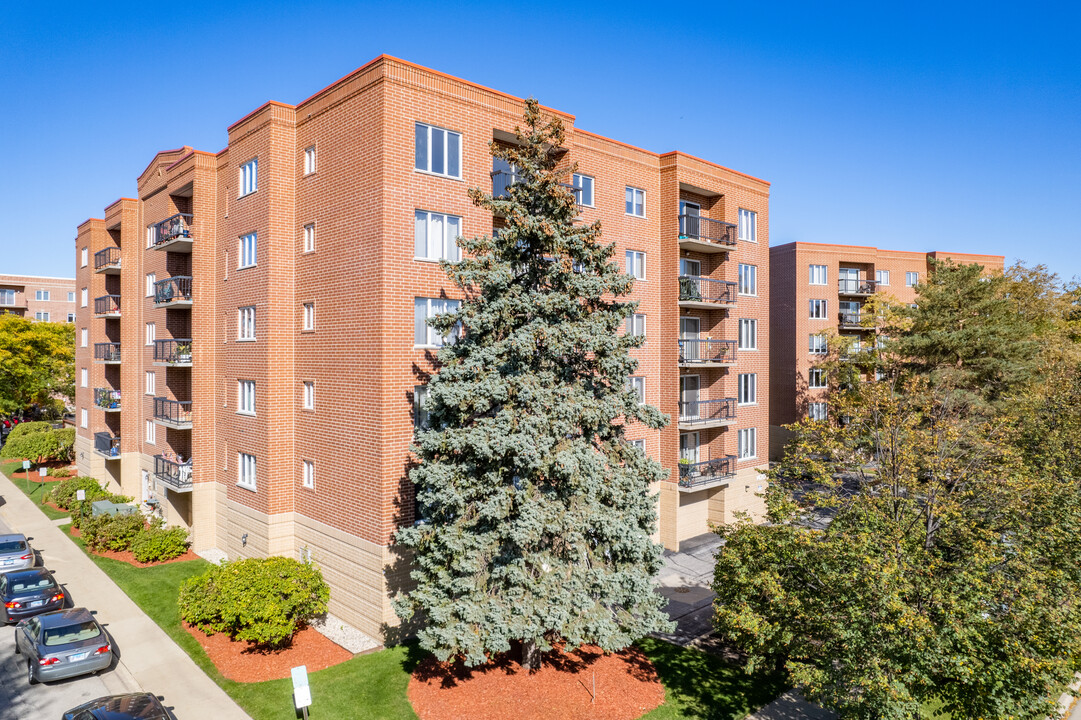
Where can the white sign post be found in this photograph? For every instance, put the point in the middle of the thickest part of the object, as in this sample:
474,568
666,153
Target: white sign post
26,469
80,494
42,471
302,693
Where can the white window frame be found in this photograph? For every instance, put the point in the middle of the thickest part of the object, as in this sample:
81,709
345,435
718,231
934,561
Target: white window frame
817,344
748,334
912,278
151,382
84,258
816,410
747,444
578,180
635,198
245,397
85,298
309,238
71,296
816,379
84,377
636,264
636,324
84,337
307,478
309,160
246,468
448,135
818,275
309,317
637,383
42,296
151,432
748,218
640,444
882,277
308,395
817,309
42,316
245,323
71,317
432,307
421,420
151,333
247,250
747,389
248,177
748,280
84,418
151,278
7,297
434,223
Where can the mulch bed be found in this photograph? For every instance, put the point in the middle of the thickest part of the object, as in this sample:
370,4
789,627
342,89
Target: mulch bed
627,687
242,662
128,557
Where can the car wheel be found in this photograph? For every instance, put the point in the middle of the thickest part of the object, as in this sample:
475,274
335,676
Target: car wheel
30,673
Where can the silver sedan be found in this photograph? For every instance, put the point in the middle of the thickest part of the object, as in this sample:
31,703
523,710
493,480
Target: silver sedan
62,644
15,553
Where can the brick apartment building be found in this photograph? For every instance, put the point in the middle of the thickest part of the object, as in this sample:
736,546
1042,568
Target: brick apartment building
816,288
48,299
252,348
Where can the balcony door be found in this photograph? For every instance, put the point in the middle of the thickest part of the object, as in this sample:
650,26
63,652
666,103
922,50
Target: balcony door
849,279
689,219
689,327
688,397
850,311
688,447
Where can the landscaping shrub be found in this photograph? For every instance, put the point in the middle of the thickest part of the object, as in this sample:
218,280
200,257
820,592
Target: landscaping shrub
111,532
28,428
59,472
263,601
156,544
40,446
63,495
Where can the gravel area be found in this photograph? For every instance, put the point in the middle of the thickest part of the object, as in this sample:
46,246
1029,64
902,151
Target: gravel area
345,634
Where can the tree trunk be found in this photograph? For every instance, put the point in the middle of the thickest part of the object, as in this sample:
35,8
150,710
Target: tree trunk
530,655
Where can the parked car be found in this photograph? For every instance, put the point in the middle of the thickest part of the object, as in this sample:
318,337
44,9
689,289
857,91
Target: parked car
62,644
137,706
25,593
15,553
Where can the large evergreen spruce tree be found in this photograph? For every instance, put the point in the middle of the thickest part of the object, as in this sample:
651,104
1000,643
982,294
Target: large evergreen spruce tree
535,513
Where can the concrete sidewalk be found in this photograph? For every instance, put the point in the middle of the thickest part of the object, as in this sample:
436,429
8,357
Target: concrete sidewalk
149,660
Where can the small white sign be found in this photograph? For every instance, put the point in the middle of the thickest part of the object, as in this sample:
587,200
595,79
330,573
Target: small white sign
42,471
302,697
80,494
26,464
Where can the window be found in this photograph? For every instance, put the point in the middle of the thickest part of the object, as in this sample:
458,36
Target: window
882,277
746,441
638,386
424,308
584,183
44,316
84,378
817,275
308,478
309,395
636,324
438,151
816,410
309,237
84,337
84,257
7,296
309,160
816,344
71,296
71,317
636,202
245,324
747,389
420,412
245,397
817,309
151,383
640,444
748,225
151,278
249,177
435,236
151,235
151,432
748,279
84,298
309,316
245,470
636,264
42,295
151,333
246,255
816,378
748,334
83,418
912,279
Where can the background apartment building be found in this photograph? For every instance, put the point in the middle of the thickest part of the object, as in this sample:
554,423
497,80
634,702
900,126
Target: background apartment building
817,288
252,348
47,299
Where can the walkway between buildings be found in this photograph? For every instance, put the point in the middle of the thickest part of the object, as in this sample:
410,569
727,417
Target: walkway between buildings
149,660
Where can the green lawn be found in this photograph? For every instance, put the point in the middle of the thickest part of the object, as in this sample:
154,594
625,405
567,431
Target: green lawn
35,491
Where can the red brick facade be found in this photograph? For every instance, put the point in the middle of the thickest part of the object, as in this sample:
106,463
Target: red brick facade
47,299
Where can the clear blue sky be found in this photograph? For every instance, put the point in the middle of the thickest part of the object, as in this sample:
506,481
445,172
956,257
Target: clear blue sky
924,126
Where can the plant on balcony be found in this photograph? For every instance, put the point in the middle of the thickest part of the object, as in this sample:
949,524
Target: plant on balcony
531,503
183,352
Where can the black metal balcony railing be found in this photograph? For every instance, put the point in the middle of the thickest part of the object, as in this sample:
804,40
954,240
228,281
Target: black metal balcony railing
849,318
173,352
106,258
171,228
696,227
700,473
107,305
171,290
850,286
703,411
173,473
707,351
106,444
107,352
107,398
503,179
173,412
693,288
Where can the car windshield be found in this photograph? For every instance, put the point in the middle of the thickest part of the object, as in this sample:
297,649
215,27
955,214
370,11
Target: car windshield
22,586
10,546
71,633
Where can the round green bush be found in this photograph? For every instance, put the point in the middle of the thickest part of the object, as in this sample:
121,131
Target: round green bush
40,446
156,544
262,600
111,532
28,428
64,493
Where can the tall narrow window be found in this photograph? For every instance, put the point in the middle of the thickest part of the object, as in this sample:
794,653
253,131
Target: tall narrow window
309,160
584,184
245,326
84,298
748,334
636,202
245,464
748,225
151,333
424,308
309,316
151,278
817,275
746,443
747,389
84,378
309,395
748,279
248,180
308,478
912,279
638,386
245,397
151,383
438,151
420,411
71,296
435,236
83,418
246,254
151,432
636,264
309,237
84,337
636,324
71,317
84,259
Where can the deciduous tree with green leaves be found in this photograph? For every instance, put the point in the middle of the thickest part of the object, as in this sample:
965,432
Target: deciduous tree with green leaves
37,364
535,515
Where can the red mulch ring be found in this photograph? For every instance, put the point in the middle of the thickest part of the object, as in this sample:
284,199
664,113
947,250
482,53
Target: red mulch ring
240,661
127,556
627,687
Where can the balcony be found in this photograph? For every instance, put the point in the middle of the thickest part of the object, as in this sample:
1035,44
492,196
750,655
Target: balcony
106,445
107,306
856,288
173,234
704,235
707,353
173,353
704,475
705,293
107,261
851,321
107,353
172,413
172,473
174,292
699,414
503,179
107,399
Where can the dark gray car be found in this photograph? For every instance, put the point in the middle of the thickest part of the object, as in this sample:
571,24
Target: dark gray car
24,593
137,706
62,644
15,553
